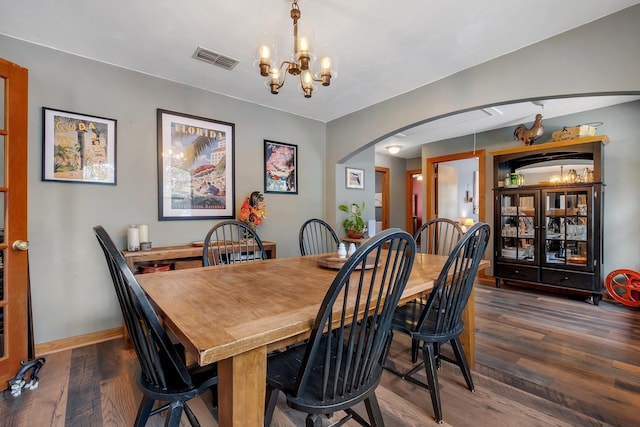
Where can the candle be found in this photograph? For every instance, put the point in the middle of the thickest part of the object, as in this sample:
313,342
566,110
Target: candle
143,230
133,238
371,228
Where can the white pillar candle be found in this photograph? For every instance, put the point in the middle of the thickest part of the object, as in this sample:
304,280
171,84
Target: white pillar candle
133,238
143,230
371,228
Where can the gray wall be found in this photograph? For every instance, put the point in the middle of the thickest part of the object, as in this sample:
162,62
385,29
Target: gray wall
600,57
71,291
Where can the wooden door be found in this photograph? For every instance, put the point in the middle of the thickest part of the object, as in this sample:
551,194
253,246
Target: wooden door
447,192
13,220
431,168
413,202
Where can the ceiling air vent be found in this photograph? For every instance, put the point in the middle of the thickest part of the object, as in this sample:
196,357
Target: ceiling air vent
215,58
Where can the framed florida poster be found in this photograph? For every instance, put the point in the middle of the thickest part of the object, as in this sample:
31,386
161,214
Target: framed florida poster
78,148
195,167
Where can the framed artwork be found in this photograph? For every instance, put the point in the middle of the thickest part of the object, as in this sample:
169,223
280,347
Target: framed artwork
280,167
355,178
195,167
78,148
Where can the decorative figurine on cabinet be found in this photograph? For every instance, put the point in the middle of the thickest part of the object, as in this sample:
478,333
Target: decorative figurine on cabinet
529,135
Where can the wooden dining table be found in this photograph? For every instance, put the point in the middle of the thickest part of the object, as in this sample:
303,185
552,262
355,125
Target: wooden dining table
235,314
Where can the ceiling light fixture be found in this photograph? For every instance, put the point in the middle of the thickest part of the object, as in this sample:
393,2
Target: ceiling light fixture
393,149
297,66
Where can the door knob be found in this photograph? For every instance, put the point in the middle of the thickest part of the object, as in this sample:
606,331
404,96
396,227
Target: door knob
20,245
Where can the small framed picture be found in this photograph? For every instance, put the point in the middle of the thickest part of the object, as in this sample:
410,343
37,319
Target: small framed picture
78,148
280,167
355,178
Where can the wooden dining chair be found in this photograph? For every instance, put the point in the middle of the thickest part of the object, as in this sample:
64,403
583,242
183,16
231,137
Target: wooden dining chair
230,242
341,363
317,237
161,374
440,319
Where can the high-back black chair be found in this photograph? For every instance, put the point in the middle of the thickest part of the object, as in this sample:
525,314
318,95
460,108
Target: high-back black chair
317,237
438,236
341,363
440,319
162,374
229,242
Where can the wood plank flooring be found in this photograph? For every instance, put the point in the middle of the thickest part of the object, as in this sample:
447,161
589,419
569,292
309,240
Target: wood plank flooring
542,360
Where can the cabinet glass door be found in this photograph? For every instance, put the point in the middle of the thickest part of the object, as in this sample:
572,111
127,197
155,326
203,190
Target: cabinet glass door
567,227
517,226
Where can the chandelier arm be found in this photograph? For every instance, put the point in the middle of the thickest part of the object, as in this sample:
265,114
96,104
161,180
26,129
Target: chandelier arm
275,86
283,75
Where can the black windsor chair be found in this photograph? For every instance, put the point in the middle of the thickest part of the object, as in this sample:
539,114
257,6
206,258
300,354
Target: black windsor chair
440,319
438,236
341,363
317,237
230,242
161,374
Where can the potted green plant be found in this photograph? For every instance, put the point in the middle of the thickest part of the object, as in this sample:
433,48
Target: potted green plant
353,223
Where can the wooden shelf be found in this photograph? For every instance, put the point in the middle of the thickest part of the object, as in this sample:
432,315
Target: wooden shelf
182,256
556,144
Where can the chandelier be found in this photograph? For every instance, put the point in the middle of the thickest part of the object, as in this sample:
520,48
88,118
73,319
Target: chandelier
297,66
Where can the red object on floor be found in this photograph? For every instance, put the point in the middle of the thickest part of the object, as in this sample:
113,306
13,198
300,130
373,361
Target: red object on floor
624,286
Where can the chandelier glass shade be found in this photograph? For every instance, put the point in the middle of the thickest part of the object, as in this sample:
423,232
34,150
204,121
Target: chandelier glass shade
299,65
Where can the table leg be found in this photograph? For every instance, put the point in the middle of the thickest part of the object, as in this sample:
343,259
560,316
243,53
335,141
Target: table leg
241,389
468,336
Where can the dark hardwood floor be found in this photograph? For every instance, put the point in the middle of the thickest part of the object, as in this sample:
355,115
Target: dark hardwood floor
542,360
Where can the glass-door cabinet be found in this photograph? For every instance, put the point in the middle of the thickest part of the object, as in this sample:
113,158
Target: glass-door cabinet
548,207
567,228
518,226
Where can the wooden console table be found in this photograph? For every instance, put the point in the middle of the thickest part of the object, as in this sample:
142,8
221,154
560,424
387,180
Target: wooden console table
178,257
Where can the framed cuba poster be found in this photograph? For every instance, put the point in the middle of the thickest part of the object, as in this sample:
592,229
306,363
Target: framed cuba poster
280,167
195,167
78,148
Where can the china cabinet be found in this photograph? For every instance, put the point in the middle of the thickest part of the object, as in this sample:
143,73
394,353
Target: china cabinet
548,216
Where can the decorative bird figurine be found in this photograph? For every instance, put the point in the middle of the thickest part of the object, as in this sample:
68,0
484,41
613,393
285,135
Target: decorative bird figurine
529,135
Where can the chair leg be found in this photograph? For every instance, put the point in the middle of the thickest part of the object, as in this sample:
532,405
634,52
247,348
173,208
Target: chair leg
458,351
191,416
143,411
436,352
175,415
432,380
415,349
271,399
214,396
313,420
373,410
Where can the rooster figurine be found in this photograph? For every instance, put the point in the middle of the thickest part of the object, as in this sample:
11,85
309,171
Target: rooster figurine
529,135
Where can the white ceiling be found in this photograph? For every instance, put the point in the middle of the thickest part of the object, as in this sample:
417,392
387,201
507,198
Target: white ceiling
382,48
497,117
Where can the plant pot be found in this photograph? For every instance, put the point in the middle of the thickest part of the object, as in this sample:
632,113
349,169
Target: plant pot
353,235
